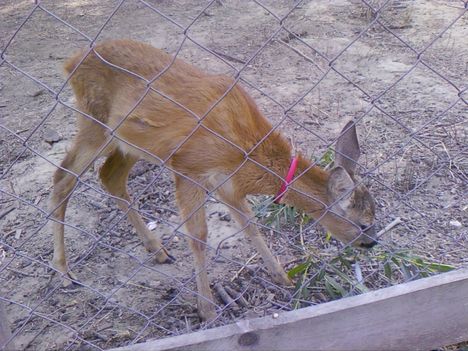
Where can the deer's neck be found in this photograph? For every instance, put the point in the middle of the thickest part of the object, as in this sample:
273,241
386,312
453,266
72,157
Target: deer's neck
308,190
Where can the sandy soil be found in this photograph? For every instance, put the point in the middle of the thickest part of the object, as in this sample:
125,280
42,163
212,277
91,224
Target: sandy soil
415,151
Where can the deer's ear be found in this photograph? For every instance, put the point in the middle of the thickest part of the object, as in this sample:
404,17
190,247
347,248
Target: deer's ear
347,149
340,186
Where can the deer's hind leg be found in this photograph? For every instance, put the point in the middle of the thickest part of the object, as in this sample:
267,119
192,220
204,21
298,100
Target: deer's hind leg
114,176
85,149
190,199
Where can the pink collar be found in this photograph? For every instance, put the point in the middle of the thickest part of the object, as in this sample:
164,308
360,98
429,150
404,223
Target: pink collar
287,180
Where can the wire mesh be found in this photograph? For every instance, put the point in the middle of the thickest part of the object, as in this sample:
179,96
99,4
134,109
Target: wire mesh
396,68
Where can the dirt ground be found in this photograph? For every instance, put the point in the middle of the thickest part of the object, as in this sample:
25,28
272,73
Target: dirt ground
415,151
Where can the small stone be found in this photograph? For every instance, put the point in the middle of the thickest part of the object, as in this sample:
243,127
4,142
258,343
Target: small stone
275,315
37,93
176,239
226,217
455,224
51,136
64,317
154,284
25,262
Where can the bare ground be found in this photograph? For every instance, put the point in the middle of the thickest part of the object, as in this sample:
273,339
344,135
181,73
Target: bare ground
414,143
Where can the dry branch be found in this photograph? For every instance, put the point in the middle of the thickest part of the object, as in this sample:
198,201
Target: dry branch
227,299
237,296
389,226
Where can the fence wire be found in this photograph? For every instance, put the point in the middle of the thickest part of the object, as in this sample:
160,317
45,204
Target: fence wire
410,113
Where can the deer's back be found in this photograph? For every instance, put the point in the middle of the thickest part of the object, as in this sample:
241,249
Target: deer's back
181,99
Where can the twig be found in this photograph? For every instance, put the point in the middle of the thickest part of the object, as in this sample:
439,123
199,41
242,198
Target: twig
294,260
229,58
389,226
35,336
34,275
99,205
243,267
188,326
7,211
9,233
301,237
307,58
225,296
22,130
136,285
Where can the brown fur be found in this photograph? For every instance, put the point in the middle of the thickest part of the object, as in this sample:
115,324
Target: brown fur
216,149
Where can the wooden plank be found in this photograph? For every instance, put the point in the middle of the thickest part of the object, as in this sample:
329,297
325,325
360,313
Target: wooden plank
423,314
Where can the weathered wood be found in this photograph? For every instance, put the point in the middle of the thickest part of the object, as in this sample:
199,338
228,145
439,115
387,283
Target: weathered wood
423,314
5,332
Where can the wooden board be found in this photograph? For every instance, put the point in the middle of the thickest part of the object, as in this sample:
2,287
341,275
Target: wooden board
423,314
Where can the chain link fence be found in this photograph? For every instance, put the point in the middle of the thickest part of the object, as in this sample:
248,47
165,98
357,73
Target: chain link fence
398,69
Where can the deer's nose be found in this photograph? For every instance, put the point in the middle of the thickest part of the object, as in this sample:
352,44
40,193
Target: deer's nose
369,230
369,245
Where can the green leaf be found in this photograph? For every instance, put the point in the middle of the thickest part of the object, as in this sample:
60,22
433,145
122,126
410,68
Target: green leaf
345,262
327,158
305,219
350,280
331,290
300,268
396,261
342,275
439,267
305,293
317,277
406,272
361,287
298,286
321,274
337,286
388,270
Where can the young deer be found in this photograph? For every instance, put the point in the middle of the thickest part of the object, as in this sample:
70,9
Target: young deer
218,152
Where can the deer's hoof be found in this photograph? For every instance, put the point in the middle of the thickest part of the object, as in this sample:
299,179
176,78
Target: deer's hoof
163,256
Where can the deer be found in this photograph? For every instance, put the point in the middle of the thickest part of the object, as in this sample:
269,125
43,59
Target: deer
209,131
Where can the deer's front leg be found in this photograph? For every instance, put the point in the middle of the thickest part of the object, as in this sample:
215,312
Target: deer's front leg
190,199
242,214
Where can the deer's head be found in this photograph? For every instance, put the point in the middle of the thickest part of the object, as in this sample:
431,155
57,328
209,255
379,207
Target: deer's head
352,210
